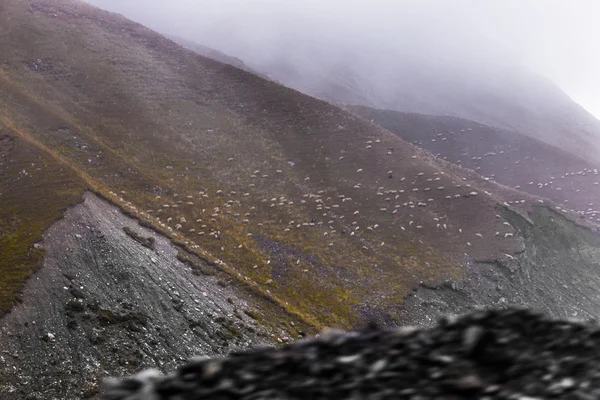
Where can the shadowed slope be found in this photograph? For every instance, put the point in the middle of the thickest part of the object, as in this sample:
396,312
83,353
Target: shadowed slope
460,75
502,156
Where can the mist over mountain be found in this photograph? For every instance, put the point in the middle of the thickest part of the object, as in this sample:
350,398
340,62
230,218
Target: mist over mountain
426,57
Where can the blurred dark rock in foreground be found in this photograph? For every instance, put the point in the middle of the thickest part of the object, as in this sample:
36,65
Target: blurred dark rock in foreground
498,354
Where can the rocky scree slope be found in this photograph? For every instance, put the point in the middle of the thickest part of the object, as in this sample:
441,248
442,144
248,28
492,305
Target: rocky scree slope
511,354
555,273
104,304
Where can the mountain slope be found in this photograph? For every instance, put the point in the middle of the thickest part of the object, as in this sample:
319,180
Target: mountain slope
102,303
313,215
453,74
503,156
214,54
195,140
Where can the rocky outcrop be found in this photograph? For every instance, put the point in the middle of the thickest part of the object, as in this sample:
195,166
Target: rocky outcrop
103,303
556,273
511,354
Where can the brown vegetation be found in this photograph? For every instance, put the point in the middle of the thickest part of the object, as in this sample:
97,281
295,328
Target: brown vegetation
215,157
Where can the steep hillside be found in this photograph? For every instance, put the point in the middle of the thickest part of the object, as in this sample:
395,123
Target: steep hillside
104,304
284,213
458,76
312,215
214,54
503,156
335,218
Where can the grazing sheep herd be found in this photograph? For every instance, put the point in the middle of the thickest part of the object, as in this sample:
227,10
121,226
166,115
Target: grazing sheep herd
334,213
506,158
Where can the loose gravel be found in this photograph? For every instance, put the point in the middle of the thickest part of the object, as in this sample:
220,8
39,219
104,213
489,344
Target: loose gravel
497,354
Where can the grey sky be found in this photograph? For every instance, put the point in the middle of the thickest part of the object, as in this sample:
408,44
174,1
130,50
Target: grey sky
555,38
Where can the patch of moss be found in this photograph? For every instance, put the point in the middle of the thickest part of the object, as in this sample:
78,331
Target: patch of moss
108,317
198,267
252,314
144,241
74,306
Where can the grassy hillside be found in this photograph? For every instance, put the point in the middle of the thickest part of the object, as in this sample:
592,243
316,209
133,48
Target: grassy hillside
332,217
470,78
35,191
506,157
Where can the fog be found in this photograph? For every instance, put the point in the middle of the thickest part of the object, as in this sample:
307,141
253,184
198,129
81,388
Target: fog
554,38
